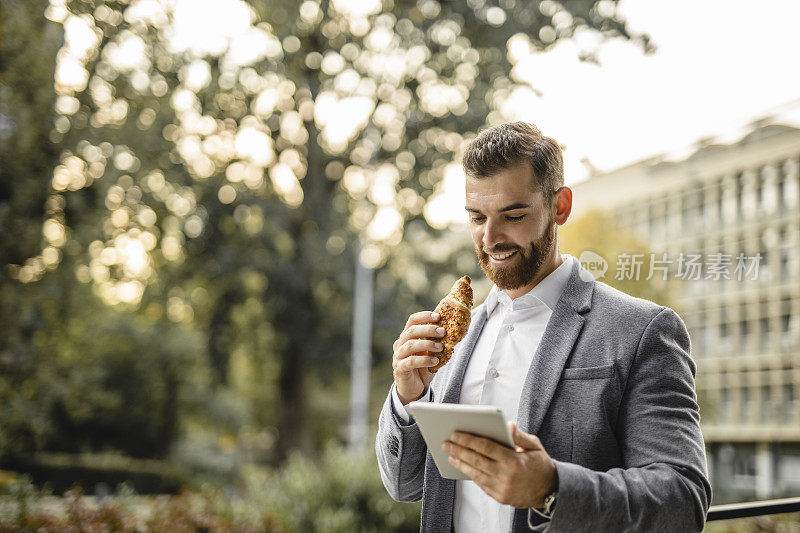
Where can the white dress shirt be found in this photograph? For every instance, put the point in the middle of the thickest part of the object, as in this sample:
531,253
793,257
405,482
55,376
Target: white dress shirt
495,376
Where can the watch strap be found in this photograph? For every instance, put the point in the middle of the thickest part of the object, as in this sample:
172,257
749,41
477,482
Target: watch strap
549,504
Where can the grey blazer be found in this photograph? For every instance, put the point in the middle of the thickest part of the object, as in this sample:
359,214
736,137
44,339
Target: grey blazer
610,393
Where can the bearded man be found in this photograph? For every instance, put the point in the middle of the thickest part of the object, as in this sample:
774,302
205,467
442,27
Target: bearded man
599,384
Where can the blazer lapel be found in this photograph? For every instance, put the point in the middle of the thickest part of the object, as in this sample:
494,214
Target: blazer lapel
554,350
439,496
453,391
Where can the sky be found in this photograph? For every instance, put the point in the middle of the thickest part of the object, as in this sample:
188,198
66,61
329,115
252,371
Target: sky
720,65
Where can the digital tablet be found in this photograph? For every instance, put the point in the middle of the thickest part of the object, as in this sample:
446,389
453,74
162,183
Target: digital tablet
437,421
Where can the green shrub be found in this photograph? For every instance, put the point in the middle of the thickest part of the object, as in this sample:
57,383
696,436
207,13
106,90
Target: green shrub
186,512
341,492
61,471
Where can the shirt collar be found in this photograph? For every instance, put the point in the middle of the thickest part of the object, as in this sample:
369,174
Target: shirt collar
547,291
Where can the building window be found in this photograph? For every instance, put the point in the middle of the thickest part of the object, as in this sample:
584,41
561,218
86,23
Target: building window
701,205
763,334
763,265
744,332
744,462
787,338
789,403
785,260
747,405
767,414
686,212
738,188
706,334
726,411
759,194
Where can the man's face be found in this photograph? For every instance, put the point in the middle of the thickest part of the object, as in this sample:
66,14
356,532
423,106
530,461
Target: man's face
512,229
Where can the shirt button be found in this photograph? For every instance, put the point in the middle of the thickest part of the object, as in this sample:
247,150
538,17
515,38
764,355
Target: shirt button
494,373
510,328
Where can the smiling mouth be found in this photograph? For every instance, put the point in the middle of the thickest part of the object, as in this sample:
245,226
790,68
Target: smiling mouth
501,258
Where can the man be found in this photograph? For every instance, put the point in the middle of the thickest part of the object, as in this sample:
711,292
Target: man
600,385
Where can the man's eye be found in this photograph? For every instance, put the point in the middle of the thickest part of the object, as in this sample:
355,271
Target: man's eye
476,219
515,219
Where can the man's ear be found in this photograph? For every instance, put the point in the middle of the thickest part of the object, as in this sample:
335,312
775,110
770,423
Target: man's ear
562,205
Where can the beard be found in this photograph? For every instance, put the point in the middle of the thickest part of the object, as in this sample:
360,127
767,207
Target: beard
523,270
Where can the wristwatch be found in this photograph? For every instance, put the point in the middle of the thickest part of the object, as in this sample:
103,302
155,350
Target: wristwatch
549,504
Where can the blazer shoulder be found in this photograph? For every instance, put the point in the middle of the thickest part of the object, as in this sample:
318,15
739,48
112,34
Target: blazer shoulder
621,316
615,304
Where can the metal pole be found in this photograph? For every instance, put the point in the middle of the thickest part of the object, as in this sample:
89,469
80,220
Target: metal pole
362,345
744,510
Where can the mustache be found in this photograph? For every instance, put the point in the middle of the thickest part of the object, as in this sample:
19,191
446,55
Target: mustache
500,249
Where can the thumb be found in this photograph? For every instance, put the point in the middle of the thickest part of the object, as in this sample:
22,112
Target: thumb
524,440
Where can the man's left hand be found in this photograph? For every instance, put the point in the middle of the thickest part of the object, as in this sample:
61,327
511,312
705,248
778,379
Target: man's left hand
522,477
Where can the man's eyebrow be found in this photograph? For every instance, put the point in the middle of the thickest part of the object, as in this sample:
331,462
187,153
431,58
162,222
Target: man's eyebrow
511,207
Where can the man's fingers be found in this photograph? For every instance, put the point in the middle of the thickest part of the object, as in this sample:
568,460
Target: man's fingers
419,326
480,445
419,332
476,460
424,330
417,347
421,317
483,480
476,475
412,362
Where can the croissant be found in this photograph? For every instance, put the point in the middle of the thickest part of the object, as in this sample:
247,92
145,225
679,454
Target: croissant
454,316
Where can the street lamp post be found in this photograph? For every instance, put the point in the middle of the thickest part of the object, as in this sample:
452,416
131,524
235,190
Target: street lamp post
361,355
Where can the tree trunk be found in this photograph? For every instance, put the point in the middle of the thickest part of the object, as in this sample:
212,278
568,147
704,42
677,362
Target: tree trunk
295,428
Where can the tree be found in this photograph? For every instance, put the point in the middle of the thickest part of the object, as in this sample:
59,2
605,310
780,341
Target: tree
225,158
28,46
65,382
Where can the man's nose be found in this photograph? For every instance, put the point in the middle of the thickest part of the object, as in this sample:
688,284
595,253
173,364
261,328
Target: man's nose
492,235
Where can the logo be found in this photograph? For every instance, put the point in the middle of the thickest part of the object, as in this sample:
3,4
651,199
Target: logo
594,266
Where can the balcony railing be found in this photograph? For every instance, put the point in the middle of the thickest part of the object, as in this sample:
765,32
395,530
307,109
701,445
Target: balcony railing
748,509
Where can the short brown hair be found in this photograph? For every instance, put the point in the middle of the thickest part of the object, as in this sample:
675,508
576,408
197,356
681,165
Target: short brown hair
506,145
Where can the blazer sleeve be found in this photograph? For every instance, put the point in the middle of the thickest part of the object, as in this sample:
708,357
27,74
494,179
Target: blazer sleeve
401,452
663,484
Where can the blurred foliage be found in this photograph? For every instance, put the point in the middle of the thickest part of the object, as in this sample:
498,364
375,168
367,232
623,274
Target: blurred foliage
341,492
99,472
599,232
181,211
74,511
780,523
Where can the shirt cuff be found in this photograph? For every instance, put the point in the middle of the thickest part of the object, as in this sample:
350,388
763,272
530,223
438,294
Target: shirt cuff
402,411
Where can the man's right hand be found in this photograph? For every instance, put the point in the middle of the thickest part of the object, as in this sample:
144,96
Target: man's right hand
411,357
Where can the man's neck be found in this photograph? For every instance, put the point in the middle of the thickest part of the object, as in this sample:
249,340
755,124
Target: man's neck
546,269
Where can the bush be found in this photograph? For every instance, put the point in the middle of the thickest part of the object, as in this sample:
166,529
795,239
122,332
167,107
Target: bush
187,512
60,472
341,492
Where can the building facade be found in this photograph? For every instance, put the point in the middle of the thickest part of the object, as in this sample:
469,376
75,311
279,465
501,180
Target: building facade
733,212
